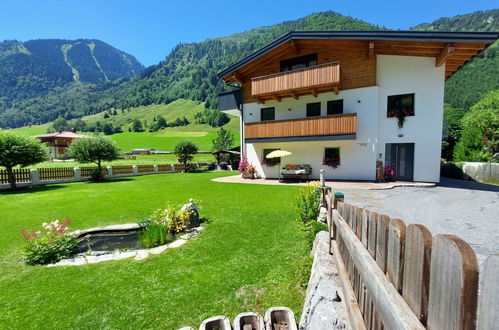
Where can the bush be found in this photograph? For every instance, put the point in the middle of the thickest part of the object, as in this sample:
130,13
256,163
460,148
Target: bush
307,203
312,231
51,245
212,166
185,150
162,226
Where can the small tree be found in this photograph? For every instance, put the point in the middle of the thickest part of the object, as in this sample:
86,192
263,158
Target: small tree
137,125
17,150
184,150
223,141
94,150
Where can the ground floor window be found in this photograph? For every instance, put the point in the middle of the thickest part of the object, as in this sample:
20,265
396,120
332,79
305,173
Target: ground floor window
270,161
267,114
313,109
332,157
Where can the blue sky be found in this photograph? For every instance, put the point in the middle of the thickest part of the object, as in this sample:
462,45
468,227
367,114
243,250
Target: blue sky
149,29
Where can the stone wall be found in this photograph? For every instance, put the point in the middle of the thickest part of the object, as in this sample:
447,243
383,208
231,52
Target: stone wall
323,307
481,172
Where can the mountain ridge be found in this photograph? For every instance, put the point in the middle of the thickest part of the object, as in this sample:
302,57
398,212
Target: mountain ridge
189,71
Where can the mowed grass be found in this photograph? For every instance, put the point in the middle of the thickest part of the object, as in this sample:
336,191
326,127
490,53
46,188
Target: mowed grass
247,259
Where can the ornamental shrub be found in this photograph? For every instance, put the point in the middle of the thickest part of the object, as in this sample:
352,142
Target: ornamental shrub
50,245
307,203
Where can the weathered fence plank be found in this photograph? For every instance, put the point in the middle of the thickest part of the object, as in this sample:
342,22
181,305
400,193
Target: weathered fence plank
382,240
395,253
355,316
453,285
371,238
488,317
417,257
365,228
392,308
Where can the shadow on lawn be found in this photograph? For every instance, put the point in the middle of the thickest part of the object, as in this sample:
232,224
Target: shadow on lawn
32,189
109,181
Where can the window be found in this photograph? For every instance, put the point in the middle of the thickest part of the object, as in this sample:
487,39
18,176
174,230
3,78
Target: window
299,62
270,161
335,107
400,105
267,114
331,157
313,109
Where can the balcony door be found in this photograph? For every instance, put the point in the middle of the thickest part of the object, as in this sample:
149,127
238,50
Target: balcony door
401,157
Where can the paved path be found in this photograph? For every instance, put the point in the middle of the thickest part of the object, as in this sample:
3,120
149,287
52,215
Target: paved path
467,209
364,185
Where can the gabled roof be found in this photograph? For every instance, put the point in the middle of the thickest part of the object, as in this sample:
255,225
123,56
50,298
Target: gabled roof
440,37
67,135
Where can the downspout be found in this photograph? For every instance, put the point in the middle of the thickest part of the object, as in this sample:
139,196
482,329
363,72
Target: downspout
241,120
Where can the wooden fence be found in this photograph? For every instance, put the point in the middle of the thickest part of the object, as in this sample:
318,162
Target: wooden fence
21,175
398,276
145,169
86,171
165,168
122,170
56,173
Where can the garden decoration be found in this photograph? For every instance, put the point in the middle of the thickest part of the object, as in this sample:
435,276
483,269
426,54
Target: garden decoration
279,154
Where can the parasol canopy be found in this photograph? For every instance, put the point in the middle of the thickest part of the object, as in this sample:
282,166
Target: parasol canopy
279,154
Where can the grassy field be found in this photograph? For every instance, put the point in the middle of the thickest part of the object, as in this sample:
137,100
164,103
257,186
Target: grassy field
247,259
164,139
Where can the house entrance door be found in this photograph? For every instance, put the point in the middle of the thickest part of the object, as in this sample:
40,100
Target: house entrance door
401,157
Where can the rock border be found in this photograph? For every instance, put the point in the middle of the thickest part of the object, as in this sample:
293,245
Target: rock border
101,256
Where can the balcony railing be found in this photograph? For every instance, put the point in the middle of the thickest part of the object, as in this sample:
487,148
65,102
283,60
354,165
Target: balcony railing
345,124
296,81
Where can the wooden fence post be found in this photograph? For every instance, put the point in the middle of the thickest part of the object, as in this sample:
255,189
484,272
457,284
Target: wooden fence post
110,171
417,258
453,285
488,317
135,170
395,253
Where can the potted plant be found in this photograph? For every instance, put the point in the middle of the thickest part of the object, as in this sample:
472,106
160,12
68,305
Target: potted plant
389,172
331,162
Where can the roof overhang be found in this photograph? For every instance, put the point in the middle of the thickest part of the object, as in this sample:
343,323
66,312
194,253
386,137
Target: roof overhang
485,38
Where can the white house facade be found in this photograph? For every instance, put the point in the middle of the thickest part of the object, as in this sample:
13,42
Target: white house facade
334,100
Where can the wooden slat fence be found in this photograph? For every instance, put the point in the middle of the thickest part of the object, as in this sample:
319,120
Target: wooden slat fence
398,276
165,168
178,167
21,175
56,173
145,168
122,170
85,171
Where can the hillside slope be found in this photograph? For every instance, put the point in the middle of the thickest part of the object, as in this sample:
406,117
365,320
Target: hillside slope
37,68
480,75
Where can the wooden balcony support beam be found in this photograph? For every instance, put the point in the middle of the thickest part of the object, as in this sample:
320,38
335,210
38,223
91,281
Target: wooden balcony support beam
444,54
277,97
294,95
260,100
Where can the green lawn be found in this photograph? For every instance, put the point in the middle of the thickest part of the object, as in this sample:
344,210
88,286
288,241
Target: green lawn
247,259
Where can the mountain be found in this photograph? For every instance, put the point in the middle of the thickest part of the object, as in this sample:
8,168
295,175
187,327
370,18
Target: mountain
480,75
39,68
189,71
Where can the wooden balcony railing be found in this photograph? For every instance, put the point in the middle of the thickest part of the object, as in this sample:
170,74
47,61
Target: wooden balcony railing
289,82
345,124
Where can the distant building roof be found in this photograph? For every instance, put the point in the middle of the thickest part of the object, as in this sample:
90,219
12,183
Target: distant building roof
67,135
143,149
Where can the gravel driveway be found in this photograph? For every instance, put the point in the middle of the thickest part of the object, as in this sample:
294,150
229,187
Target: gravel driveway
467,209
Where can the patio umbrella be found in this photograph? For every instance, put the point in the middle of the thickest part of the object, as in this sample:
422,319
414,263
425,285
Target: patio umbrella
279,154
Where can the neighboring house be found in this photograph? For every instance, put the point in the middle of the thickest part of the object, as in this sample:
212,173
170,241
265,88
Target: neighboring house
334,100
59,142
143,151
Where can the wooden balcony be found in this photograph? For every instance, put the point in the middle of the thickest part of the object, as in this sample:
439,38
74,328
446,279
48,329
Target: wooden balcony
336,127
306,81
